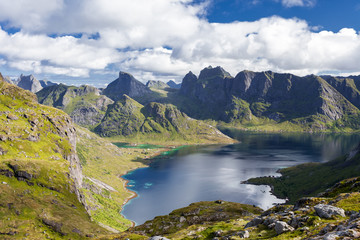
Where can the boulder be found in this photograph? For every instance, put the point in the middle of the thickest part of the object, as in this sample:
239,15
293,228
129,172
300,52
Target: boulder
281,227
158,238
328,211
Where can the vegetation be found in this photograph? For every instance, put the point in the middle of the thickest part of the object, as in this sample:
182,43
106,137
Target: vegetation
128,120
310,179
37,194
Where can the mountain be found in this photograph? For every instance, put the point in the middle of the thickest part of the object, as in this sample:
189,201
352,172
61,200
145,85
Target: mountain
156,84
84,104
256,97
29,83
173,84
40,172
126,84
46,83
126,117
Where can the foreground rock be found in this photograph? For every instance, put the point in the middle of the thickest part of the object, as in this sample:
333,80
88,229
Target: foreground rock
328,211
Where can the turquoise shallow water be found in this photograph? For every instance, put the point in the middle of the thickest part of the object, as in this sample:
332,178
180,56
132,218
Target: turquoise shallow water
199,173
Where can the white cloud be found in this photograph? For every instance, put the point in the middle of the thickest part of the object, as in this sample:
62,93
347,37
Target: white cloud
165,39
26,14
298,3
62,55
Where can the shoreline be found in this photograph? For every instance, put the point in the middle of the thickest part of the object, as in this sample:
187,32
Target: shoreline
125,181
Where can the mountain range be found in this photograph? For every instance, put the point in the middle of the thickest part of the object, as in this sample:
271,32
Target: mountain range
265,101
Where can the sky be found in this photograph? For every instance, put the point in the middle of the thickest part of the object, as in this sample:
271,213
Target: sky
90,41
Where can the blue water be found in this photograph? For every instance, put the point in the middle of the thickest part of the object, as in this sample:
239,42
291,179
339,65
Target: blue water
204,173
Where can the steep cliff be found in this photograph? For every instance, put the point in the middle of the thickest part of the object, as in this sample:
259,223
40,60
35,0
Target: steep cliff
39,169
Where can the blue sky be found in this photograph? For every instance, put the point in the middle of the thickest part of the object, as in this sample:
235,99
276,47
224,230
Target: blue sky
331,15
90,41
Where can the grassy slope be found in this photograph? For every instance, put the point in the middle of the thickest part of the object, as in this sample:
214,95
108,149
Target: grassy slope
46,196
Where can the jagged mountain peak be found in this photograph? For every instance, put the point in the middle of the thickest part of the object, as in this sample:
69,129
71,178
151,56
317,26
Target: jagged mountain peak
210,72
125,84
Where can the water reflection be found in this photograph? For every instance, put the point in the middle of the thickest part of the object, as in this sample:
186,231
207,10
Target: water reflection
199,173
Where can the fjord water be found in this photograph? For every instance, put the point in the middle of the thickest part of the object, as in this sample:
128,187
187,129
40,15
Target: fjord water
206,173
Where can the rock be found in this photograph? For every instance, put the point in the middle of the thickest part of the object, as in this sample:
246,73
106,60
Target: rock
2,151
328,211
33,138
54,225
75,230
182,219
281,227
158,238
256,221
244,234
12,116
218,233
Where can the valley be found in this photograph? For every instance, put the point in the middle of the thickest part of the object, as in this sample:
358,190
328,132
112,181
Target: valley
61,180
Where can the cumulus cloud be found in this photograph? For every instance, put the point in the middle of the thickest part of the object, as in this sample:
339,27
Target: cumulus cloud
164,39
62,55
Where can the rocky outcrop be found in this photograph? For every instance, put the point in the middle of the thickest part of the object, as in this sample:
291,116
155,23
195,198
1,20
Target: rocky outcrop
125,84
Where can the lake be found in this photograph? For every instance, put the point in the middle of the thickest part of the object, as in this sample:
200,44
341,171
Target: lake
206,173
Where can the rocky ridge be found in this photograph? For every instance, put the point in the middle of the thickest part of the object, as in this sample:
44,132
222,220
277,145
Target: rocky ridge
250,96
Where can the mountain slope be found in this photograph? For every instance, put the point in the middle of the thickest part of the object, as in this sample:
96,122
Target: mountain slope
155,121
84,104
39,170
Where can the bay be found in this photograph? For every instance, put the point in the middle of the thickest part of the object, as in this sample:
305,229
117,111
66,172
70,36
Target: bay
207,173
